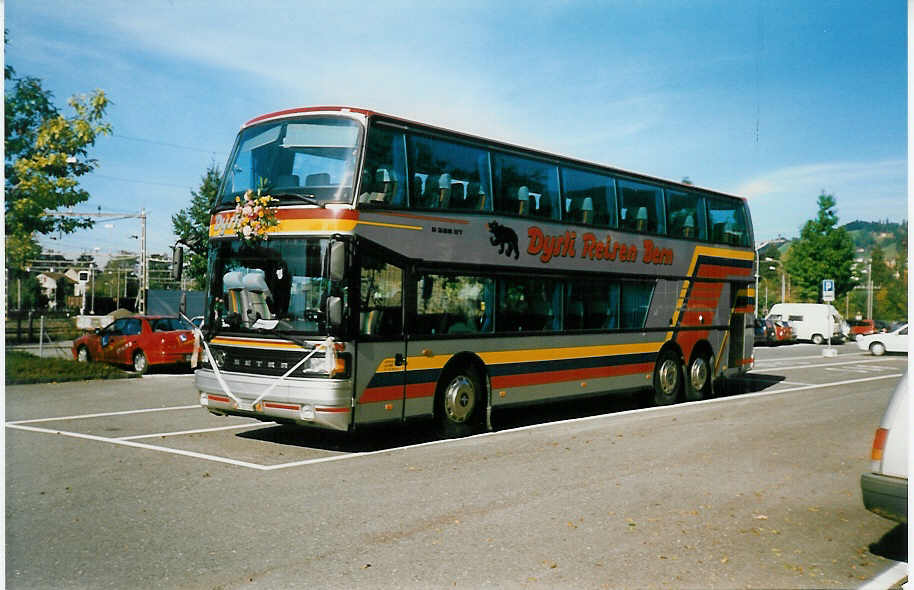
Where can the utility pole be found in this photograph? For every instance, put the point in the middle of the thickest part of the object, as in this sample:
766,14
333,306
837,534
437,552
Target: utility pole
869,289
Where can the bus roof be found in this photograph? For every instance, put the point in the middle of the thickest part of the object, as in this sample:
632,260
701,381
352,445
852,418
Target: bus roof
374,114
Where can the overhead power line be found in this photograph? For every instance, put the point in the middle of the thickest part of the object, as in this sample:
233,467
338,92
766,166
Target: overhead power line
167,144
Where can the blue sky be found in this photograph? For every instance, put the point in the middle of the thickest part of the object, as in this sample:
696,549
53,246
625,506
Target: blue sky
774,101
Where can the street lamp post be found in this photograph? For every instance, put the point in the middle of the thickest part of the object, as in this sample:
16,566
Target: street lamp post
783,277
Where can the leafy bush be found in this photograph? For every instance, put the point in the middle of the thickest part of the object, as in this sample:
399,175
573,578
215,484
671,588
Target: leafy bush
22,368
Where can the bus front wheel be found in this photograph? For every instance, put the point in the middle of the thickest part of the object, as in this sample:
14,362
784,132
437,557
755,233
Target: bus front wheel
459,402
667,378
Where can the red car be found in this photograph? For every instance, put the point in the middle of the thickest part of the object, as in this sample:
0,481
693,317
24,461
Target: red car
861,328
138,341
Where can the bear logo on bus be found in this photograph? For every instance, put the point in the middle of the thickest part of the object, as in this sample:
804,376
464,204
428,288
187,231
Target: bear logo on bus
503,236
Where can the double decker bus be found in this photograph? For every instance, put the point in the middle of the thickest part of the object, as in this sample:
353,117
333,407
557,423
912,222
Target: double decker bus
417,272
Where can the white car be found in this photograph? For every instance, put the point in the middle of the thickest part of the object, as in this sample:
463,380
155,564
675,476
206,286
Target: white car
881,343
885,486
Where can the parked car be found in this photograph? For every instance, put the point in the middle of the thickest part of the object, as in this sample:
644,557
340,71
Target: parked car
885,486
883,342
138,341
764,332
861,328
810,321
783,332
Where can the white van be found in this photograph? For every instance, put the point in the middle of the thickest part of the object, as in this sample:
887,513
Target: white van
809,320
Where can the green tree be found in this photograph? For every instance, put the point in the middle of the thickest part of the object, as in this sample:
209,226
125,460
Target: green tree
46,153
823,251
191,225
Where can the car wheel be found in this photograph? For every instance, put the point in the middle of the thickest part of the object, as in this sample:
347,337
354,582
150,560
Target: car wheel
877,348
82,355
698,379
140,365
817,339
667,378
460,402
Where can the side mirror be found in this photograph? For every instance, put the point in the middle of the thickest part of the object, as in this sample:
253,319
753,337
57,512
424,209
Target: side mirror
177,262
337,261
335,311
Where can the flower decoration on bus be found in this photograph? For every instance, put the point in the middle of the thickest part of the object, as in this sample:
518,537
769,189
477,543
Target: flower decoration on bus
253,216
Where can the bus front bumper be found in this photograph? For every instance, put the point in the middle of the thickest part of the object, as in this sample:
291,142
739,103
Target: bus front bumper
319,403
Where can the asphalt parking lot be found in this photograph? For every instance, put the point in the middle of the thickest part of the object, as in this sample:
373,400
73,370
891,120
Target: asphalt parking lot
169,490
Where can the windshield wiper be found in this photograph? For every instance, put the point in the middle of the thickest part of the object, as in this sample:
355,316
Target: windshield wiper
310,199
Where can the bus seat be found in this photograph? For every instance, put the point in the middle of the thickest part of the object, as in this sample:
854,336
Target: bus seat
236,299
257,290
641,219
688,227
430,195
319,179
523,201
458,195
286,180
444,191
586,214
472,195
718,232
415,190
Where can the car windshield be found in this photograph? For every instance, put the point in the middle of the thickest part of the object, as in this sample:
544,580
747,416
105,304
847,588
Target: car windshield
277,285
314,157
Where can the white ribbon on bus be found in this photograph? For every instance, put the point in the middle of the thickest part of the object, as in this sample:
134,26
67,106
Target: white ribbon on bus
330,359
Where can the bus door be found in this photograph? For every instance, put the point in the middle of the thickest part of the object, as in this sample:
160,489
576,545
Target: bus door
380,384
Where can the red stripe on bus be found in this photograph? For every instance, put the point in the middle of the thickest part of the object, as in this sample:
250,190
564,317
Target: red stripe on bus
218,398
277,406
717,271
332,410
417,390
381,394
569,375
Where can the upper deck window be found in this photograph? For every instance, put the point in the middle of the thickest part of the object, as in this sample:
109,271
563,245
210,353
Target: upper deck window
525,187
448,175
686,213
384,173
729,224
589,198
313,156
641,207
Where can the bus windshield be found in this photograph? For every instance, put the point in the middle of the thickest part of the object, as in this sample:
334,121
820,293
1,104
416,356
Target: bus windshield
314,157
277,285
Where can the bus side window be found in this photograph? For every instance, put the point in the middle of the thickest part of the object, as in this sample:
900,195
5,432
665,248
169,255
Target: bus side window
453,304
445,171
685,216
384,169
528,305
728,221
525,187
636,300
589,198
381,298
642,207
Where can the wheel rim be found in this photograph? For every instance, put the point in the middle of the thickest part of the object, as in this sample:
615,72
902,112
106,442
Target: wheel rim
459,399
139,362
877,348
668,375
698,373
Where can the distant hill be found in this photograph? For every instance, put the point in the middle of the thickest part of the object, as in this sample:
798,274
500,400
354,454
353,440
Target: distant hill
891,236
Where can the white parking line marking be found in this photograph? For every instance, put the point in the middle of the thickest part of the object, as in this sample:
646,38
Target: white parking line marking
887,578
815,356
197,431
215,458
137,445
814,366
103,415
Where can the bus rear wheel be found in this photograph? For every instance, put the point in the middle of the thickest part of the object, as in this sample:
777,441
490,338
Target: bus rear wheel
698,379
667,378
459,402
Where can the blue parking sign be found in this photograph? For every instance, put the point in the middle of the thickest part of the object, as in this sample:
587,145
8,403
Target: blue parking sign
828,290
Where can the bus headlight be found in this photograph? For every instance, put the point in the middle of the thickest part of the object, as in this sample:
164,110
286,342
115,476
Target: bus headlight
321,365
